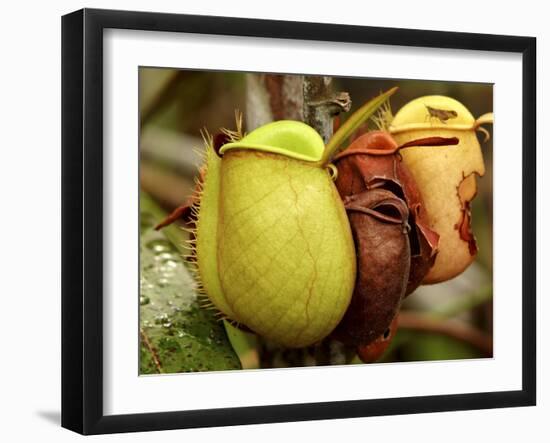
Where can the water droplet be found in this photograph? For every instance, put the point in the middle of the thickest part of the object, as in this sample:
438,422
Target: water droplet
159,245
166,274
164,256
162,318
143,300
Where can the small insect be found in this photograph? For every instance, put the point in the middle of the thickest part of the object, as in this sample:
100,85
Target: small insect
441,114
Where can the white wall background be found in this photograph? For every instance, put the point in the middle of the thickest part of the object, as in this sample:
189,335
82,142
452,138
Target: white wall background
30,219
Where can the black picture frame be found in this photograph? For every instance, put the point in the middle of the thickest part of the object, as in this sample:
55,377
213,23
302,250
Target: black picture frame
82,220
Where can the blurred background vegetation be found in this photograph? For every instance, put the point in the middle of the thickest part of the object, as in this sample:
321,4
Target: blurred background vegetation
451,320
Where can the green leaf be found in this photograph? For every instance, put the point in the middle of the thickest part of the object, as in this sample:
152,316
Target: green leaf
425,347
410,345
176,334
353,122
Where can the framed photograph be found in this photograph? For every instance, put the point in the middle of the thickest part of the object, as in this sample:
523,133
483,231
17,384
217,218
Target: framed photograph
269,221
